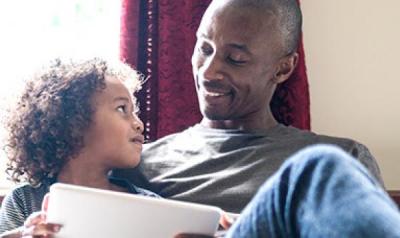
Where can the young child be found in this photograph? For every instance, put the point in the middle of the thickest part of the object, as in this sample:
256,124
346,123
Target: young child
74,122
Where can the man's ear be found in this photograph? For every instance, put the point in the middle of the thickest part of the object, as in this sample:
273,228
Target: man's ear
286,66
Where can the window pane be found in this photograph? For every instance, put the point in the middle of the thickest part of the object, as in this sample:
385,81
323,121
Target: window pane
34,32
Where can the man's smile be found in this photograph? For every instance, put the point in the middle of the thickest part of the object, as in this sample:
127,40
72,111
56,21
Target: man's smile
215,96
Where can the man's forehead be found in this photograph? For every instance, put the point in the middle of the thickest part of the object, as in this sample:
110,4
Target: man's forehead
236,23
265,7
224,13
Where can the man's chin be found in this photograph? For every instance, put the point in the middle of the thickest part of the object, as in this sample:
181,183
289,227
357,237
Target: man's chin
214,115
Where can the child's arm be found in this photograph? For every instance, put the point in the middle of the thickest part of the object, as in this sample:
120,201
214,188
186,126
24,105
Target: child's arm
13,224
16,233
34,226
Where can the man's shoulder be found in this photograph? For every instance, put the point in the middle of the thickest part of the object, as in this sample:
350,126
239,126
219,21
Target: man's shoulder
349,145
292,134
358,150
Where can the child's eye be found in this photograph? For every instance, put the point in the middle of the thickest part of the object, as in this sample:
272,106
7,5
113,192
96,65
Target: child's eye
121,108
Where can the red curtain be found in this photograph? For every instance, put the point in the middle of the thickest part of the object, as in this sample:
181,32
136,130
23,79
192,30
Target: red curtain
157,38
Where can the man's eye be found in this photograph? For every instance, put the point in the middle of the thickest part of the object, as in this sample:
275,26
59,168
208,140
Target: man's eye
236,62
205,50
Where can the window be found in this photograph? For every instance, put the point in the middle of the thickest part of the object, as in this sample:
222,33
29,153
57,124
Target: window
34,32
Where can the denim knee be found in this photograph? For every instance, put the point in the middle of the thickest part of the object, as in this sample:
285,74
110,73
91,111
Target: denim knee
320,153
325,158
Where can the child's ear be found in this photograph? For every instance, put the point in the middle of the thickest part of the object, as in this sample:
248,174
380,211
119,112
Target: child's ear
286,67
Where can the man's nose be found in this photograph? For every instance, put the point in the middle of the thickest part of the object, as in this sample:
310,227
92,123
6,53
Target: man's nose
213,68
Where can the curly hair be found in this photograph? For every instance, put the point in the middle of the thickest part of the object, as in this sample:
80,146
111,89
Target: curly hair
46,127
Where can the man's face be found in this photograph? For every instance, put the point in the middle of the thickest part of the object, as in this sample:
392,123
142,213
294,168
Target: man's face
234,61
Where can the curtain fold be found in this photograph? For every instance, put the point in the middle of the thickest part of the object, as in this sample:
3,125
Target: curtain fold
157,38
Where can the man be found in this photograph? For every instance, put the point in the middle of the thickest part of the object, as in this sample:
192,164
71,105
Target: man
244,49
320,191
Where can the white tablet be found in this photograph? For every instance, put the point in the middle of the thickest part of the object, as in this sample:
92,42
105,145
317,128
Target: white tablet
88,212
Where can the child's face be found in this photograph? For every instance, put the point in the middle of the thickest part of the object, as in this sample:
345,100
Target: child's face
114,138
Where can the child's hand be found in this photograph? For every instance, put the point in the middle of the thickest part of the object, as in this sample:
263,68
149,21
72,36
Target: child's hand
36,226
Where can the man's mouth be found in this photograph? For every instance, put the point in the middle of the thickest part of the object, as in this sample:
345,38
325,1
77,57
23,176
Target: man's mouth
214,97
212,94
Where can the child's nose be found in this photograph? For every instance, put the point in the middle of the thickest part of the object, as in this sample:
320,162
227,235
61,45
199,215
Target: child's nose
138,124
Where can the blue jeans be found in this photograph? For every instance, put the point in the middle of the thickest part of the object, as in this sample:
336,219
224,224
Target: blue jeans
319,192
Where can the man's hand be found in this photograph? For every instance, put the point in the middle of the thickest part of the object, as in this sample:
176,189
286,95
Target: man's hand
226,221
193,236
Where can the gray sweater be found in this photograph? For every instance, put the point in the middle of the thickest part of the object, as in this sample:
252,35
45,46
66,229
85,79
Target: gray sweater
226,167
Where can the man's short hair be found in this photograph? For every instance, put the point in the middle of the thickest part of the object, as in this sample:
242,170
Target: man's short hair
289,18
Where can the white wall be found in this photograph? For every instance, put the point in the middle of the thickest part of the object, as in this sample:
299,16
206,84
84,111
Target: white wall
353,58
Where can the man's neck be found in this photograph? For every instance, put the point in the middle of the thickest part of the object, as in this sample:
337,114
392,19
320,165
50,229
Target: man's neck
241,124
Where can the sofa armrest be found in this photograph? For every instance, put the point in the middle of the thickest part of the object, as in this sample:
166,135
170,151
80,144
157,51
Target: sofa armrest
395,195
